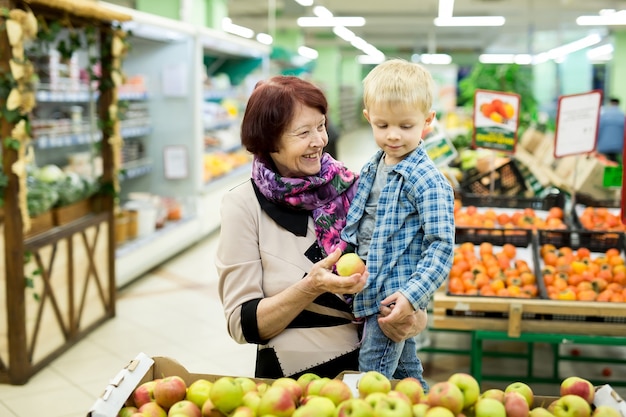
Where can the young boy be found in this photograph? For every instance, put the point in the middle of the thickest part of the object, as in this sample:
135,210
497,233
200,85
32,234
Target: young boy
401,220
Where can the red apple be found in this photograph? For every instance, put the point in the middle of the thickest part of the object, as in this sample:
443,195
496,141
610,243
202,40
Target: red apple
152,409
373,381
515,405
314,387
412,387
336,390
348,264
523,389
144,393
446,394
578,386
169,390
571,405
185,408
209,410
291,384
277,401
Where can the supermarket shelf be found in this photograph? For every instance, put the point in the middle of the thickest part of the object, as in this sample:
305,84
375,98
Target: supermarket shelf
135,258
136,169
60,141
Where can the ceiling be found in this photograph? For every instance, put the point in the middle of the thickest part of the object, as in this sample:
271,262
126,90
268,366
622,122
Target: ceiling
406,26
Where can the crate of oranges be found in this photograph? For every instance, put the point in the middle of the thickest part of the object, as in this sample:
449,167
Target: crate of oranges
583,265
485,269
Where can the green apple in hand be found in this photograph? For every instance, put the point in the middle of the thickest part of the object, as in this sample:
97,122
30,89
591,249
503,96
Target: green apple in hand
348,264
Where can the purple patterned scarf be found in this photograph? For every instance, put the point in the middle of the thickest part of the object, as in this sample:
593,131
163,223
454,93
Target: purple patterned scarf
327,195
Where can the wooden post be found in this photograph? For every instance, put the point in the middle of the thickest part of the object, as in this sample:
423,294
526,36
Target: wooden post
13,252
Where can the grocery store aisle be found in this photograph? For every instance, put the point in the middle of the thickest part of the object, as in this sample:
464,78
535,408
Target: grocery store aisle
173,311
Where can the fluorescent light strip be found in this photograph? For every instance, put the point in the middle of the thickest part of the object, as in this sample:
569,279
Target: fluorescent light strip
330,21
307,52
435,59
568,48
304,2
344,33
323,12
520,59
445,8
470,21
600,51
230,27
618,18
265,38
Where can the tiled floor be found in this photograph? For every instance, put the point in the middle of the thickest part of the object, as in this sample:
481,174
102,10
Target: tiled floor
174,311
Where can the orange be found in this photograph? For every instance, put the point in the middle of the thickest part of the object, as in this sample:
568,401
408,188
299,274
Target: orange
509,250
566,294
586,295
455,286
485,248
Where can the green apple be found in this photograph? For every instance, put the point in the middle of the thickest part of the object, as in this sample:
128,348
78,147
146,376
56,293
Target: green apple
305,378
437,411
515,405
354,407
523,389
420,409
489,407
350,263
412,387
393,407
373,381
247,384
337,390
242,411
276,401
184,408
578,386
169,390
324,407
495,393
540,412
127,411
226,394
446,394
605,411
571,405
198,391
468,386
251,399
314,387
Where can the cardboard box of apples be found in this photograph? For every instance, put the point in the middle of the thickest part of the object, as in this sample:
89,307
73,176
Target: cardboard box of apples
161,387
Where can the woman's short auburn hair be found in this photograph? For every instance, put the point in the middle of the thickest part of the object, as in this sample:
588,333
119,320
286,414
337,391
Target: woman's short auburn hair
272,106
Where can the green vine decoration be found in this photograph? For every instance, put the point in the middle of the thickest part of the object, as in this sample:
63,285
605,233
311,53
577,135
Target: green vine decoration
29,280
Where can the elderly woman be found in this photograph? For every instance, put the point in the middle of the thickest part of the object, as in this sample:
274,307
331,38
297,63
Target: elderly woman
280,238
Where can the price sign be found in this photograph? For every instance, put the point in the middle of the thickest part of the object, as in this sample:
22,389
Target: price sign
496,118
577,123
440,149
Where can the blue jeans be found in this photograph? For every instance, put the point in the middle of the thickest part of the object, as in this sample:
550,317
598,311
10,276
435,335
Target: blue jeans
394,360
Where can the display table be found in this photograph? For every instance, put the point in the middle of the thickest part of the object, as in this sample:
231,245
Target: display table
529,321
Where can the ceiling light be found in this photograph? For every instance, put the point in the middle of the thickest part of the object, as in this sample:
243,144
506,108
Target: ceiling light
265,38
617,18
330,21
445,8
601,52
520,59
470,21
568,48
344,33
369,60
321,11
304,2
307,52
230,27
435,59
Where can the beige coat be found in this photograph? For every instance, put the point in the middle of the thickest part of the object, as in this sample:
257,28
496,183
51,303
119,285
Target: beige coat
255,258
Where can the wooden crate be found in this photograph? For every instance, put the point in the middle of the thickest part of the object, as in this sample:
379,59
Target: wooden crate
516,316
67,214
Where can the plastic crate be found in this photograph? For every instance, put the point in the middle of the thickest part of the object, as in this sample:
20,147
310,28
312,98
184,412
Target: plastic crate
477,235
595,241
587,200
537,203
507,180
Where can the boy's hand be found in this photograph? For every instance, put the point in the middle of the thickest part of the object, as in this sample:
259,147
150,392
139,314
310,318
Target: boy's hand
398,320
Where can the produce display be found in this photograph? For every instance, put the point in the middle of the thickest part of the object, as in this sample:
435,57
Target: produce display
490,270
494,217
374,396
580,274
601,219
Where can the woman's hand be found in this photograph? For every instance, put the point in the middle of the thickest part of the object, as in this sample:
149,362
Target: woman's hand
398,320
321,278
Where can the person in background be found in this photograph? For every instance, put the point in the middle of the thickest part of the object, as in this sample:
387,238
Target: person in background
280,239
401,221
611,131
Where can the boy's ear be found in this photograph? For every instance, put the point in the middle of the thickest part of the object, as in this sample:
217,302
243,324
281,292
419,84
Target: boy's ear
431,117
366,115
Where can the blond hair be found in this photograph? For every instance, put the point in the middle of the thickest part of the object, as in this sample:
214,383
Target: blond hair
397,81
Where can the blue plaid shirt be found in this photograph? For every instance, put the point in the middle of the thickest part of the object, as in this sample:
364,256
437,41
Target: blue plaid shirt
413,239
